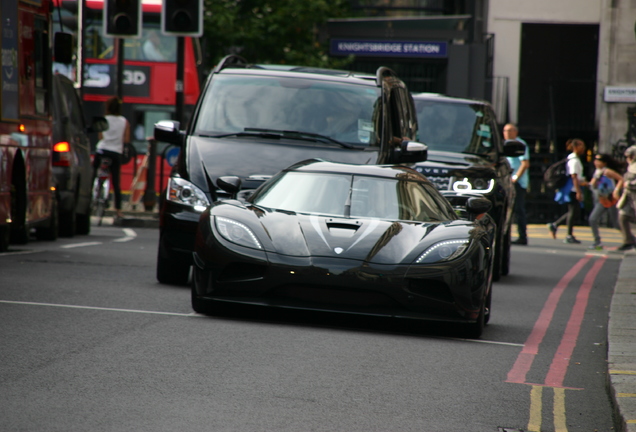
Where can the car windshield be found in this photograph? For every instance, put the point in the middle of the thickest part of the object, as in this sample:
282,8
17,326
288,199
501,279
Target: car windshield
454,127
346,195
343,112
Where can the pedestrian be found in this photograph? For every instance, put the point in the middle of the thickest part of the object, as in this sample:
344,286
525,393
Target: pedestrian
605,184
111,145
571,193
521,179
627,203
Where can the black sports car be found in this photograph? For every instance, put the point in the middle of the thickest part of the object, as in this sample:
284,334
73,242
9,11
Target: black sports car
376,240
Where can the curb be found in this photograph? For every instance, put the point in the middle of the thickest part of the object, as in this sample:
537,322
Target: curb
621,355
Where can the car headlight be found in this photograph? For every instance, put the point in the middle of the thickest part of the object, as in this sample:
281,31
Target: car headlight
236,232
183,192
443,251
473,185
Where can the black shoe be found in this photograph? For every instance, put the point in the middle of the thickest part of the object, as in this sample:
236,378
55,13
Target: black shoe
571,239
520,241
553,229
625,247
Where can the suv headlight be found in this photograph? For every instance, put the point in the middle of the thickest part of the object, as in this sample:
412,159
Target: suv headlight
443,251
236,232
183,192
473,185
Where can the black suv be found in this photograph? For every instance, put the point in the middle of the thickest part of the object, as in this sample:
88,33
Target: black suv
467,157
72,157
254,120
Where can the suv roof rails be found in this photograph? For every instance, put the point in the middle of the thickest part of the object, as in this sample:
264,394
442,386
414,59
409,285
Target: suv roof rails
230,60
382,73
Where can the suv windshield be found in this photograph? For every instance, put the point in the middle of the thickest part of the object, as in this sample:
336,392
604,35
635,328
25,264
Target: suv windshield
454,127
355,196
343,112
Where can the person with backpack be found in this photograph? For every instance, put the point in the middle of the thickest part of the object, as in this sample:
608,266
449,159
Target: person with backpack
520,178
605,185
571,193
627,202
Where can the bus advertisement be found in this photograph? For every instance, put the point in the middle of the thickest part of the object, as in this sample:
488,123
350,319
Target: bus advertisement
27,191
149,74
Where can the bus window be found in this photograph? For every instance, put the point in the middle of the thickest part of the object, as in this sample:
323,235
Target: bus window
98,46
153,46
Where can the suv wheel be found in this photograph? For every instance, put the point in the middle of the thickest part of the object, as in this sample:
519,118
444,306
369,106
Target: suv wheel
170,269
505,256
496,268
68,222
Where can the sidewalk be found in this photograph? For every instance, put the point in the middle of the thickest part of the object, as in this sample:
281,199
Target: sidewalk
621,353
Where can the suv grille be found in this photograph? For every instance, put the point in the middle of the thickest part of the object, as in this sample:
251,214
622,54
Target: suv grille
438,176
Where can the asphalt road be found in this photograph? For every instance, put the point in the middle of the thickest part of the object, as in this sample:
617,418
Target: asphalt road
90,341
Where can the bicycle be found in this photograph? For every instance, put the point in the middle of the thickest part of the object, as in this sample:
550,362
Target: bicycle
101,189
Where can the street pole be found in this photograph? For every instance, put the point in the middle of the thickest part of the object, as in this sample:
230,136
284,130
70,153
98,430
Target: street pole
180,79
119,83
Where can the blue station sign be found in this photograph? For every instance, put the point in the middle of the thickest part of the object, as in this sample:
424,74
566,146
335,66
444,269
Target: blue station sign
388,48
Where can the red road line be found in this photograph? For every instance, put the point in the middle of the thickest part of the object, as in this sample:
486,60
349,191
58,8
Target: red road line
561,360
527,355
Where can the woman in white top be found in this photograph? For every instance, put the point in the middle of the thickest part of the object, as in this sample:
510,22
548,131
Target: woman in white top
572,194
111,145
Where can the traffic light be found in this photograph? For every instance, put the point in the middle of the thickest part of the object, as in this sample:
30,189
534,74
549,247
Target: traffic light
182,18
122,18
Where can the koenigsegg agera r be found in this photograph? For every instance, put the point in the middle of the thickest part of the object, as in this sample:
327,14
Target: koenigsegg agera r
375,240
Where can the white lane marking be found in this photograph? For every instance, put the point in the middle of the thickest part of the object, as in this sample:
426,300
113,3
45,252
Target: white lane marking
489,342
98,308
74,245
26,252
129,235
197,315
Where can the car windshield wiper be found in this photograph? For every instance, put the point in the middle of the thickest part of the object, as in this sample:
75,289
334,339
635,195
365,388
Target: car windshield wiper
240,134
300,135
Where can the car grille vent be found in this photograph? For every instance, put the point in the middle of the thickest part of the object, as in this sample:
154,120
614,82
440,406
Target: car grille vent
432,289
238,272
333,296
441,183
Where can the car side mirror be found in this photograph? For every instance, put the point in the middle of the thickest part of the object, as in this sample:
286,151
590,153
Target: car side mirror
514,148
168,131
411,151
99,124
478,205
230,184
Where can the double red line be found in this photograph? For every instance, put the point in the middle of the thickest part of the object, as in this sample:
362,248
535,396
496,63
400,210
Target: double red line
561,360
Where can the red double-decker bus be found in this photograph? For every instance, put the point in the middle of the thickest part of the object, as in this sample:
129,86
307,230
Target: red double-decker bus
149,75
27,192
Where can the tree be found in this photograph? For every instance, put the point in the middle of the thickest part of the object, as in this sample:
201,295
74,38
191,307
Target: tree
271,31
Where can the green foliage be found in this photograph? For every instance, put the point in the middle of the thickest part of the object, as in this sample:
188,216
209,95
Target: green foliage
271,31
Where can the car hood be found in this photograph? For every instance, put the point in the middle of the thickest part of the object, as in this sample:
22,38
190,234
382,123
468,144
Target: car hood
369,240
254,158
443,164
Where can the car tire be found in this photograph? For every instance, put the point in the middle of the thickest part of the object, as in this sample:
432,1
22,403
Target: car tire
198,304
488,310
50,232
68,222
83,224
496,268
171,270
475,330
505,255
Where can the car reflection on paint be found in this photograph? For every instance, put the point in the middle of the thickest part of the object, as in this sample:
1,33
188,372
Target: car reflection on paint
361,239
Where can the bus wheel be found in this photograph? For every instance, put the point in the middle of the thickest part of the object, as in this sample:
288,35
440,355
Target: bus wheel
19,227
4,238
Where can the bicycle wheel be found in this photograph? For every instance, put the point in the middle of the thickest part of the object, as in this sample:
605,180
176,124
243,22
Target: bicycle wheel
99,200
